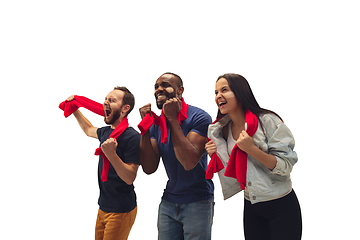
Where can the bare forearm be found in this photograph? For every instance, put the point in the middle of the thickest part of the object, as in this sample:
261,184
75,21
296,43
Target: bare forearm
85,124
186,152
149,159
125,171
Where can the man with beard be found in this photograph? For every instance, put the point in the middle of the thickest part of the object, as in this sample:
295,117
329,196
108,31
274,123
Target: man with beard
117,200
186,209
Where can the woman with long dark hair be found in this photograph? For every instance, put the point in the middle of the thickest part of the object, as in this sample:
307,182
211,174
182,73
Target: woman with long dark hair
255,149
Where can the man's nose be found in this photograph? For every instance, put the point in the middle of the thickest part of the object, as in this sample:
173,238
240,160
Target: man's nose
159,89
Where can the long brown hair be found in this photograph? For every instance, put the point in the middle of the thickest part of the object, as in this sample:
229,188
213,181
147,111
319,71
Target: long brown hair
243,93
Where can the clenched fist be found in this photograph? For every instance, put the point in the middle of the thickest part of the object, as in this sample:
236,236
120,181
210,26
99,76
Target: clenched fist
72,97
245,142
171,108
109,147
210,147
145,110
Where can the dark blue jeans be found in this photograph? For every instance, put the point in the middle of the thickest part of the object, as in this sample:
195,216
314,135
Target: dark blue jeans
192,221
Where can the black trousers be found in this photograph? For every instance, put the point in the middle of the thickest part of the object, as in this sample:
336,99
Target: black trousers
273,220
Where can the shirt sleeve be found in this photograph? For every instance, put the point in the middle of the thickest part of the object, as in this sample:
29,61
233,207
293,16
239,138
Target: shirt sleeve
153,132
200,123
131,154
281,144
99,133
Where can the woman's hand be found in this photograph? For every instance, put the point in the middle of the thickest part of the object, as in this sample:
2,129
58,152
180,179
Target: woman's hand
210,147
245,142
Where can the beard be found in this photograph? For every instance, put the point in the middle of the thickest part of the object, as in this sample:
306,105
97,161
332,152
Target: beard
114,116
160,104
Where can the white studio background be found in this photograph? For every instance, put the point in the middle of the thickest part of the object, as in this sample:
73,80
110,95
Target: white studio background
301,59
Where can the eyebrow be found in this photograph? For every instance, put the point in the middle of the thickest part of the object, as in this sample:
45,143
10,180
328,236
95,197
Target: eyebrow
110,98
163,82
226,86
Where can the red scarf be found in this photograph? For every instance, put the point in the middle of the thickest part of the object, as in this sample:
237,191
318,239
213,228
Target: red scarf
124,124
237,164
215,164
80,101
152,118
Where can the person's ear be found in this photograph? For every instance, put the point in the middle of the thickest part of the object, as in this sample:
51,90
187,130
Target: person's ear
180,91
125,108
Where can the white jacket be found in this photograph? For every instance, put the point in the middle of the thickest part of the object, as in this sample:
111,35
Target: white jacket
262,183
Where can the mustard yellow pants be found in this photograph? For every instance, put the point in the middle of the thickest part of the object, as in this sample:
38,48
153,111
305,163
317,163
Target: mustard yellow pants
114,226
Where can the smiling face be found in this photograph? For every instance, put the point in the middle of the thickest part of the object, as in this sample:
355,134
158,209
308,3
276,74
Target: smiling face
166,87
225,98
112,106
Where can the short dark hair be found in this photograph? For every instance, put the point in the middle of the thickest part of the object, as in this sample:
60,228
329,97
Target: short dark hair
177,76
128,98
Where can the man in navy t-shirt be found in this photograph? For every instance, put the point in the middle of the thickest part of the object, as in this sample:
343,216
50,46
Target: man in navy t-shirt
186,209
117,200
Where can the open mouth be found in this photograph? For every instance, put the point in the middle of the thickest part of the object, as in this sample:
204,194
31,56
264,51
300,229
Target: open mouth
107,113
221,104
161,97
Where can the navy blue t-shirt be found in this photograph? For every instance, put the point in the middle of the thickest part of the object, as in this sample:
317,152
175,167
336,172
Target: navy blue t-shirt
115,195
185,186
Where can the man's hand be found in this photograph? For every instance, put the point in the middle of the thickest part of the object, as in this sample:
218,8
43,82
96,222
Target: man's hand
145,110
171,108
84,123
109,147
72,97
